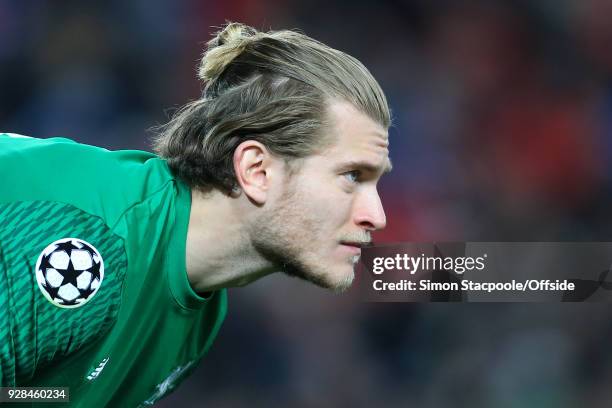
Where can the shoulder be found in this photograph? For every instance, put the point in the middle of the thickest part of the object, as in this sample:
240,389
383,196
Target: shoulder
98,181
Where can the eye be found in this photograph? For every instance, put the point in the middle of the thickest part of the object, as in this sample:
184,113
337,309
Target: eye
352,176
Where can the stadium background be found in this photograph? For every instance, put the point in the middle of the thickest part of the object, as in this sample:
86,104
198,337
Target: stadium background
503,125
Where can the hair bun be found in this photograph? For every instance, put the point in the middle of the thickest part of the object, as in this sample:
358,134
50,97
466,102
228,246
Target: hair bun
228,43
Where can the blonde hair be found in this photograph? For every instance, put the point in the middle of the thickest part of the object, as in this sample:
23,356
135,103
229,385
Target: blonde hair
273,87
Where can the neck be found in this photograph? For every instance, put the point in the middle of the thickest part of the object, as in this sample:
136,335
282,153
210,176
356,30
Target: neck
219,252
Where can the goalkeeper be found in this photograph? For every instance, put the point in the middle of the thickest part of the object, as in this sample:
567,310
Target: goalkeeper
114,264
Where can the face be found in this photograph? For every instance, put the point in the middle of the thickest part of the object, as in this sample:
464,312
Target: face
324,212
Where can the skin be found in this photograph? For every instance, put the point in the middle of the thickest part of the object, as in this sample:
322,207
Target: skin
309,223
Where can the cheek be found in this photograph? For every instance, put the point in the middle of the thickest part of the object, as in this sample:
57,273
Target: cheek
331,209
324,206
327,223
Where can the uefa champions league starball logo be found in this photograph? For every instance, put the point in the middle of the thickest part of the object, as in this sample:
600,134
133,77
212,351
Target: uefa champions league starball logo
69,272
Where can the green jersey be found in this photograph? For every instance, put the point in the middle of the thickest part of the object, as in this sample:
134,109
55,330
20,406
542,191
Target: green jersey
94,294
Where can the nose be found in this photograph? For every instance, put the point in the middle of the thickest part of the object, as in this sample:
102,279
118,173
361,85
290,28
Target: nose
369,212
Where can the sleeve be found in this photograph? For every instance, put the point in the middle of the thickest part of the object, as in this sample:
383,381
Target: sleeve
61,278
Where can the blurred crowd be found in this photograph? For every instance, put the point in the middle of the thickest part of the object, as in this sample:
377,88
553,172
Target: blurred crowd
502,132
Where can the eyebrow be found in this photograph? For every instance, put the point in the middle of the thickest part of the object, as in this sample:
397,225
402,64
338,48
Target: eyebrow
367,166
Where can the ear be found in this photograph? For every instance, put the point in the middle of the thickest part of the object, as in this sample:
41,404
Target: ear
253,165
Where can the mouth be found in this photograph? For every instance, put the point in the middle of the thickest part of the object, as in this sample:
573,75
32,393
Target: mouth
354,246
357,244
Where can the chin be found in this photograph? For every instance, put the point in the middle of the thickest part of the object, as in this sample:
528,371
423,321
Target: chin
344,284
337,279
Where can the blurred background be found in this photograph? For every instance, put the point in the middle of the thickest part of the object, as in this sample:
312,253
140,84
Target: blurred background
502,132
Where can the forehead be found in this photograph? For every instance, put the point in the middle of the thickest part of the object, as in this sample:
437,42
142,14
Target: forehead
356,136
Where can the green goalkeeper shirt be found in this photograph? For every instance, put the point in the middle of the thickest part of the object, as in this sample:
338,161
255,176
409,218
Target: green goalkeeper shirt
94,294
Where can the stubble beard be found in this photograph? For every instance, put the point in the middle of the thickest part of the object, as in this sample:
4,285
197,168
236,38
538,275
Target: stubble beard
286,236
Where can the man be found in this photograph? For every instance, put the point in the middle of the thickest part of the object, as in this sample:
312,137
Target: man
114,264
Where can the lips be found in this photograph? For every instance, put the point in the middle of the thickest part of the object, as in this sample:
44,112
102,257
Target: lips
352,244
354,247
356,244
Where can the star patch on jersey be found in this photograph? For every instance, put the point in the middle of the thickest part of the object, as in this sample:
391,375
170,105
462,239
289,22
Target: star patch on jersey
69,272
